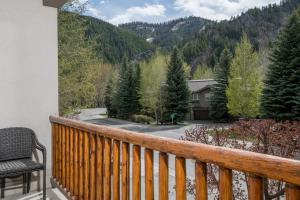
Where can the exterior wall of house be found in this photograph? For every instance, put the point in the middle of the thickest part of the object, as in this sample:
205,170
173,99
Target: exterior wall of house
28,67
200,102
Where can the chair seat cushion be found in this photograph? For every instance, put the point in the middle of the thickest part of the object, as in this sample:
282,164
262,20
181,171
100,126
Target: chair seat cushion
15,167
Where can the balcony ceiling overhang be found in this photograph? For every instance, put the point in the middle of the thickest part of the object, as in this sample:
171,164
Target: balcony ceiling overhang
54,3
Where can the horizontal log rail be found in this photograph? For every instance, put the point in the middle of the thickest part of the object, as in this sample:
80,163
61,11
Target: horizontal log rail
89,163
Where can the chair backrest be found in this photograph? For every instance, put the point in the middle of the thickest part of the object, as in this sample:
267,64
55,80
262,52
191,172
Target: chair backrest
16,143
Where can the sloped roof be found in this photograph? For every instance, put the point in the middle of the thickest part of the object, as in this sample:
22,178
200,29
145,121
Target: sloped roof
54,3
199,85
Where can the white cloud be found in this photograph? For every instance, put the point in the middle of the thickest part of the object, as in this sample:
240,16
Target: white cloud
139,13
94,12
218,9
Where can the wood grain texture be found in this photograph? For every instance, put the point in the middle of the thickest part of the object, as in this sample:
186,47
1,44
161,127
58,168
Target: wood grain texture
86,165
76,164
67,139
149,177
163,176
116,170
72,175
225,185
63,149
107,169
81,160
57,152
92,170
53,149
136,173
125,171
99,176
255,191
180,169
60,155
201,180
270,166
292,192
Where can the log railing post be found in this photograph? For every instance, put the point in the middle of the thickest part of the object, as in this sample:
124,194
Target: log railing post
71,161
149,178
116,170
63,148
86,158
255,191
58,154
76,164
136,173
201,180
81,160
53,150
180,178
163,176
125,171
292,192
107,169
92,170
67,140
99,167
225,184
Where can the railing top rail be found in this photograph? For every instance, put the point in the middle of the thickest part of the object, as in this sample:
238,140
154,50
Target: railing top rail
273,167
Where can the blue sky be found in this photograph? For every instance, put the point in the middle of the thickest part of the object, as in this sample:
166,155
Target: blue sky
122,11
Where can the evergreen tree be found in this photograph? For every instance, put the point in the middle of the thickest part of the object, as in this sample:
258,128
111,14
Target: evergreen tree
109,99
177,92
281,95
244,85
219,100
136,92
127,94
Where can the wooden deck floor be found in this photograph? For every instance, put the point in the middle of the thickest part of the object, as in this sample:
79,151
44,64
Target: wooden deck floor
52,194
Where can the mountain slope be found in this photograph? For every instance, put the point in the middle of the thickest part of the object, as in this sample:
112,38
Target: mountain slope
111,43
261,26
168,34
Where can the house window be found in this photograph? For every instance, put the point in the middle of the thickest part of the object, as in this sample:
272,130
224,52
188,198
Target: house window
207,96
196,96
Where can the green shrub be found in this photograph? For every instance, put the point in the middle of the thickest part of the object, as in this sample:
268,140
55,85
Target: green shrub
142,119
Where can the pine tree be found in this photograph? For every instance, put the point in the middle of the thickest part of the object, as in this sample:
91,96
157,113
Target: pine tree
127,95
108,99
244,85
219,110
177,92
281,95
136,92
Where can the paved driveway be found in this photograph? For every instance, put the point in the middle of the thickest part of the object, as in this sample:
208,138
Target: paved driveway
170,131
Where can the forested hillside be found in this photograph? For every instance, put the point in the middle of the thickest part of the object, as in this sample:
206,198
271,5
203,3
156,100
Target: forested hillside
260,25
202,41
168,34
112,43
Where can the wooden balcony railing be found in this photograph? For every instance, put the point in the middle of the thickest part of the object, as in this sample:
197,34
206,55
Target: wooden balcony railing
93,162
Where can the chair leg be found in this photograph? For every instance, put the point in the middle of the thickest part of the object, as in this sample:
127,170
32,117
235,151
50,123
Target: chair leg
28,182
24,183
2,187
44,184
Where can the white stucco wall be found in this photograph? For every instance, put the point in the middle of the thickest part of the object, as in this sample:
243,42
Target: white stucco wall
28,67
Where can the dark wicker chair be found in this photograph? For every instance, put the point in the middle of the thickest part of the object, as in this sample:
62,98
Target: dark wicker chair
16,149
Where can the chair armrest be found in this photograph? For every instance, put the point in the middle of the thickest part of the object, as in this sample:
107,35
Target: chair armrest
41,148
